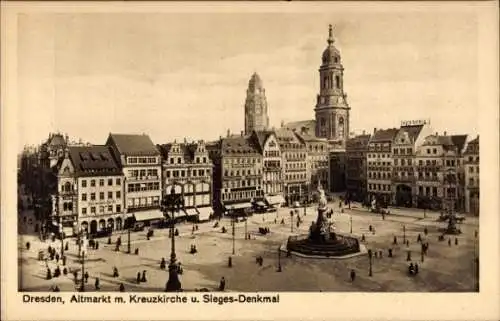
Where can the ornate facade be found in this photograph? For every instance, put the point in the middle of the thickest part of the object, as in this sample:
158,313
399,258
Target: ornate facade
187,169
356,169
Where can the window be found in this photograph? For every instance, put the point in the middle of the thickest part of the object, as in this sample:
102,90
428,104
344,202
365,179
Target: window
110,208
183,173
428,150
101,209
179,160
92,183
171,160
101,182
167,173
84,197
197,159
408,151
205,160
84,210
101,195
337,81
395,151
110,195
118,194
92,210
84,183
110,182
118,208
92,196
434,151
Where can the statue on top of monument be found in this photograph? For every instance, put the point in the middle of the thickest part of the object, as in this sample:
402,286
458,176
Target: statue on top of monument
322,198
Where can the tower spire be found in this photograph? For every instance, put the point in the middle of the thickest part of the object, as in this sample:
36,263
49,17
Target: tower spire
330,35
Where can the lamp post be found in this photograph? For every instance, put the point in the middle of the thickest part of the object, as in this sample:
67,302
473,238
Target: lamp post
61,236
404,233
128,238
291,221
279,259
370,255
174,203
82,286
246,233
350,220
233,223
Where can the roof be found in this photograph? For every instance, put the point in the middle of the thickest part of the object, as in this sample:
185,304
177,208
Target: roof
459,141
309,124
358,141
307,137
134,145
413,131
238,145
96,160
261,137
255,82
473,146
56,140
383,135
187,150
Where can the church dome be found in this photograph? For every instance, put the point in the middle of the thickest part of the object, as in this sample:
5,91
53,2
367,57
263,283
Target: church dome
331,55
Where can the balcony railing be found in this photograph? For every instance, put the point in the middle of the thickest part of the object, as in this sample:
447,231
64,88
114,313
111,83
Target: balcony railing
143,178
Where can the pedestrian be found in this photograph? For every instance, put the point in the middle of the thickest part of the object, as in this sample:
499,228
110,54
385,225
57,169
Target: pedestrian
65,271
109,240
449,241
56,289
416,268
380,253
75,276
390,252
376,254
407,243
96,284
143,279
115,272
96,245
408,256
411,270
66,246
363,238
230,262
163,264
370,228
57,257
122,287
419,238
456,241
136,252
275,221
28,246
138,277
57,272
176,232
86,277
425,230
222,284
395,241
63,260
49,274
353,275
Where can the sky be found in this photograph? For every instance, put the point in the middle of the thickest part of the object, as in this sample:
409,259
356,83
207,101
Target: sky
185,75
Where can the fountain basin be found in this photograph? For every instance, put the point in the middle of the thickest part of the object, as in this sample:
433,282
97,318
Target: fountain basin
337,246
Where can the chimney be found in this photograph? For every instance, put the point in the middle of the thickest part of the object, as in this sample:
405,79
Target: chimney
282,123
444,133
185,141
374,130
228,133
437,134
364,132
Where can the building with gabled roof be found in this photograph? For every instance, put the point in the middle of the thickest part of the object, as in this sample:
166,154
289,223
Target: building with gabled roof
237,174
90,194
187,169
356,169
140,161
379,165
471,179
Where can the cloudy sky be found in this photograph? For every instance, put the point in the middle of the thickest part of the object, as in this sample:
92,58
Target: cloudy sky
176,75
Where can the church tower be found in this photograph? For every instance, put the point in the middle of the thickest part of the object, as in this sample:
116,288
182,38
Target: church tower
256,106
332,109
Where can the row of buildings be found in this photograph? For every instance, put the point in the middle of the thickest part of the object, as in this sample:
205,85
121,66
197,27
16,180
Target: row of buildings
97,187
413,166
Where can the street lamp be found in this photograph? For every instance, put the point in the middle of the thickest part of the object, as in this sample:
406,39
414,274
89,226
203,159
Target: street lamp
370,255
61,236
174,203
279,259
404,233
350,219
291,221
233,223
246,233
128,238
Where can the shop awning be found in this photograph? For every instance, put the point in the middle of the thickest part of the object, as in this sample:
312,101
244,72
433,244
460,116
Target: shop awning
148,215
204,213
274,200
260,203
191,211
238,206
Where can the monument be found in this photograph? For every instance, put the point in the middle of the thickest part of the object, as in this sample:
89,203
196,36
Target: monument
322,240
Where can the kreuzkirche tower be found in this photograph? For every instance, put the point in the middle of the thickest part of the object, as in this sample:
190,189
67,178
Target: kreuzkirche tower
332,109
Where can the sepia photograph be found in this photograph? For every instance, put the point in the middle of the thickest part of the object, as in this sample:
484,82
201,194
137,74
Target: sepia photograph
249,154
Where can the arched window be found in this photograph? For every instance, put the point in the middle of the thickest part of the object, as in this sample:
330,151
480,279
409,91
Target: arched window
341,127
337,81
